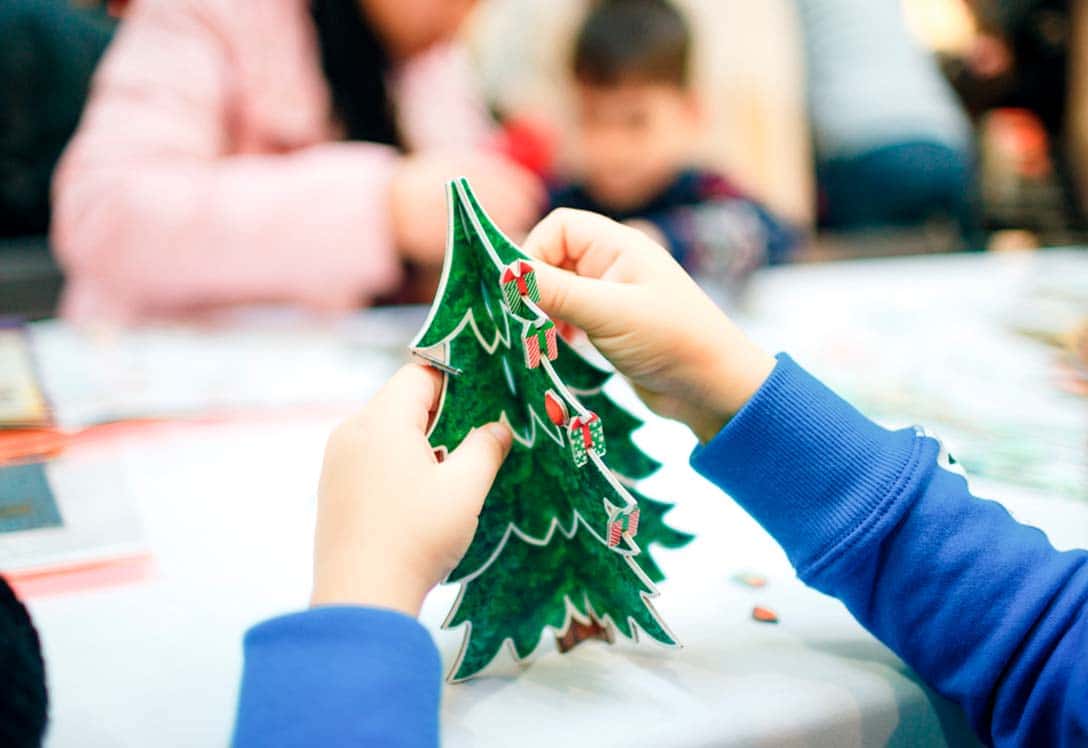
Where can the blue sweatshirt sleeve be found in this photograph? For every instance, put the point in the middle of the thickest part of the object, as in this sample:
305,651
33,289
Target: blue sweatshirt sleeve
339,675
982,607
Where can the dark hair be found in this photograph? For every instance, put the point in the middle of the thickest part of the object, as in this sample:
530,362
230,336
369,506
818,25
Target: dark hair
633,40
23,699
355,65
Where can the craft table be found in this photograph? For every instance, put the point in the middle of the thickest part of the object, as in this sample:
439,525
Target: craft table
229,510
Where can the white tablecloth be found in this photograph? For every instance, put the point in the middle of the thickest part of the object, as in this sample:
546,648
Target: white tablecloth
229,511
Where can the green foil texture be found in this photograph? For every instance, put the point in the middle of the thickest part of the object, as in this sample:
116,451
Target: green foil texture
528,590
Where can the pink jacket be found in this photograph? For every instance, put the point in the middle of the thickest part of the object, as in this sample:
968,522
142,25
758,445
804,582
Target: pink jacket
204,170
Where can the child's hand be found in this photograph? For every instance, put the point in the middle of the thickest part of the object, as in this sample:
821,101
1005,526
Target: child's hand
648,317
391,520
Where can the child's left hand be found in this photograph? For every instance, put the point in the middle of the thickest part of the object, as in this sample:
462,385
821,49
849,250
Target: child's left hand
392,521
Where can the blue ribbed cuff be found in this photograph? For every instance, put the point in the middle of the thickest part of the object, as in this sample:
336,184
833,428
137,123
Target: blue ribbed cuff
339,675
814,472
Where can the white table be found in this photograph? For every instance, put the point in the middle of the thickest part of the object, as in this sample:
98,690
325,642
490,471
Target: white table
229,511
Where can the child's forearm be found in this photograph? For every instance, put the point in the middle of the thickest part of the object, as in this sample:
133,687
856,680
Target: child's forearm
985,609
339,676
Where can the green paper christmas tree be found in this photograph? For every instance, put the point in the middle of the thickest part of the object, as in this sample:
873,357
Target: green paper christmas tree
555,547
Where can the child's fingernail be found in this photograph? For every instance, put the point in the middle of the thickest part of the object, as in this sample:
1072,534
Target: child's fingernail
500,432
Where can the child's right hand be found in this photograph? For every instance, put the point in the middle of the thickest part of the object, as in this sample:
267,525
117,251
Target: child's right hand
648,317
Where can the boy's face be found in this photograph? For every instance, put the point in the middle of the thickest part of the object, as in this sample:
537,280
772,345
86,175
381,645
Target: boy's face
634,138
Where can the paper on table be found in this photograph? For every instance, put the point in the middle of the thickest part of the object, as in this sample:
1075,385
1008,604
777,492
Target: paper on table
923,341
26,500
21,401
178,371
66,513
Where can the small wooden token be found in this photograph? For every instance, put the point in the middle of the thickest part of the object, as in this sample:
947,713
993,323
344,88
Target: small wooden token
579,632
764,615
750,579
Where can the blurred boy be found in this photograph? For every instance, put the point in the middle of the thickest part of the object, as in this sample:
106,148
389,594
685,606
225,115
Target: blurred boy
638,117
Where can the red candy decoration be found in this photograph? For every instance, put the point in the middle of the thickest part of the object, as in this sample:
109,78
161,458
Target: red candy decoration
556,409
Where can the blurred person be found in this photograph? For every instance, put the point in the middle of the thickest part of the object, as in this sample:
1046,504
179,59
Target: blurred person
24,701
983,608
638,117
48,46
746,67
892,143
1022,51
1027,56
240,151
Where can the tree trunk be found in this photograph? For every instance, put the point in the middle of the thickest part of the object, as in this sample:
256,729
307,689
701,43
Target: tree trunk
579,632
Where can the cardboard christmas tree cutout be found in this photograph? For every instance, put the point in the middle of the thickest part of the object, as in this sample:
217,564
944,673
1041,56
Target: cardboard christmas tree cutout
555,547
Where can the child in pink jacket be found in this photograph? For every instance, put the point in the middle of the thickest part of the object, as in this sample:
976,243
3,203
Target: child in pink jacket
288,151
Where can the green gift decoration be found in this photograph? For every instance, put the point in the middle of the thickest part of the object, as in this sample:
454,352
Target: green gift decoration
540,561
585,434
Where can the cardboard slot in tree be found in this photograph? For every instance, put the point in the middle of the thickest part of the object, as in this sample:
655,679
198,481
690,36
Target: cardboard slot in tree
555,547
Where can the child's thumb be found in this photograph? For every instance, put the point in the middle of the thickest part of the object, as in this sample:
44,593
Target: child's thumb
583,302
472,467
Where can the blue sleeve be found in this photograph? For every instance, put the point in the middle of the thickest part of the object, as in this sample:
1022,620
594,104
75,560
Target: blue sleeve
983,608
339,675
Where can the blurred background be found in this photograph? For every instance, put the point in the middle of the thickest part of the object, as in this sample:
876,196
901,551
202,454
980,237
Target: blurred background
895,127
